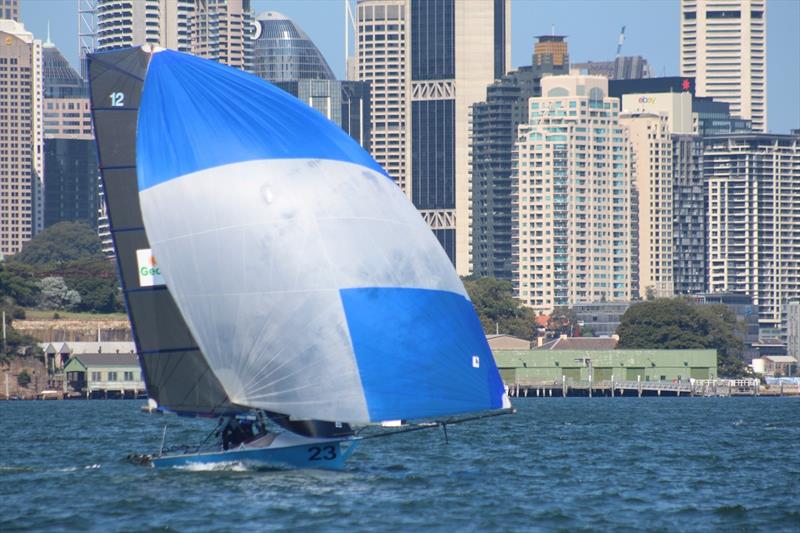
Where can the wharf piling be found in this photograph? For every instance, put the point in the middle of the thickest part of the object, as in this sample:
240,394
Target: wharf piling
639,388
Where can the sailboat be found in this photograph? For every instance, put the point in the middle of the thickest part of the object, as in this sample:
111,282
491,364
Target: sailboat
270,265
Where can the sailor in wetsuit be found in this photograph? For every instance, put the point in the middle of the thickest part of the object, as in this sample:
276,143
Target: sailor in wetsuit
234,434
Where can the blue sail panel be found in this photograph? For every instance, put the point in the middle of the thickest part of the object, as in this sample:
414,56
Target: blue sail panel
420,353
200,114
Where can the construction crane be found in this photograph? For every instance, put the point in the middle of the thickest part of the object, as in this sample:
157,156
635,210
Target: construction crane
620,41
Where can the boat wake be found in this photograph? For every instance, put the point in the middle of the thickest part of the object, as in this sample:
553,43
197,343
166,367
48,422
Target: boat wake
232,466
19,468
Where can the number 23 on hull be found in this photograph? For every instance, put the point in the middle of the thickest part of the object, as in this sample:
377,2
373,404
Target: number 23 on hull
329,455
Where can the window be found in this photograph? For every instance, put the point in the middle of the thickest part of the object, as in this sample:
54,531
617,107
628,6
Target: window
128,376
96,376
112,376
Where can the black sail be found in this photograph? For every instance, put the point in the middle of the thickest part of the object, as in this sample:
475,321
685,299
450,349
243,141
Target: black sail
175,371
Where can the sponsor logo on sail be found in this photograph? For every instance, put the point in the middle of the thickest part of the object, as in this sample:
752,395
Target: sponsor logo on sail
149,271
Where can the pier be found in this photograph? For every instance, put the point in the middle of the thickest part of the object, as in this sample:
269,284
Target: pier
639,388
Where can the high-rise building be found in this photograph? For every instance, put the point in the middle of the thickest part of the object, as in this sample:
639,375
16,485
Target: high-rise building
9,9
164,23
66,99
573,203
724,47
21,150
651,144
688,215
651,120
283,52
214,29
70,192
455,50
284,55
494,130
428,61
711,117
347,103
714,118
381,60
621,68
220,30
753,191
70,155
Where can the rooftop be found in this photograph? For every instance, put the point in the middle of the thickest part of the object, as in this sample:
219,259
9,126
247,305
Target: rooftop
580,343
107,359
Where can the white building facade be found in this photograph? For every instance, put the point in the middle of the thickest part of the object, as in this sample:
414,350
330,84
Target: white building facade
573,209
724,47
651,145
381,60
753,210
22,139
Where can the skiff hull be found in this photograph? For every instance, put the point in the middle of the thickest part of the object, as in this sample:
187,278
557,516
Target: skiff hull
286,451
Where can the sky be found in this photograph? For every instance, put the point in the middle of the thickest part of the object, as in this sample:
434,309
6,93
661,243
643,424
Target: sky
592,28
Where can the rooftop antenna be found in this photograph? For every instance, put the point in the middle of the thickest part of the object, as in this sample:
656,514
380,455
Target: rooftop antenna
553,30
48,42
349,22
620,41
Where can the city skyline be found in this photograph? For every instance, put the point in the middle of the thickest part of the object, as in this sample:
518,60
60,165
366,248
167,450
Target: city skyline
589,37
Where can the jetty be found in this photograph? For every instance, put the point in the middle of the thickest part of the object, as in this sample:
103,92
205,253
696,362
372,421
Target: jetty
639,388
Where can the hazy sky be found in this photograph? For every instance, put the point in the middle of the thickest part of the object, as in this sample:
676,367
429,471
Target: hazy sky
592,27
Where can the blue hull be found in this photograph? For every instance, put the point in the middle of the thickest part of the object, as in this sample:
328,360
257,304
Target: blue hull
324,454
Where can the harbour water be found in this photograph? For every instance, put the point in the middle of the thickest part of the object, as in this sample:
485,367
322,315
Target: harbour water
562,463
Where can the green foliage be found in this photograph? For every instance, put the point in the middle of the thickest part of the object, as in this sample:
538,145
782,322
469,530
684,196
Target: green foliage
95,279
60,244
24,379
18,283
70,251
680,324
498,309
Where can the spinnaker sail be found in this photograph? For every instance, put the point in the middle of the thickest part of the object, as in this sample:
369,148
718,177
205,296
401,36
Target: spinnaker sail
176,374
309,281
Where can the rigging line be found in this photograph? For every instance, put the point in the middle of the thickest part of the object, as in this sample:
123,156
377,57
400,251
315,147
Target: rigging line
261,377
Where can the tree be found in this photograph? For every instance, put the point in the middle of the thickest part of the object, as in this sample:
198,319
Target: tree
95,279
679,324
563,320
59,244
498,309
56,295
17,283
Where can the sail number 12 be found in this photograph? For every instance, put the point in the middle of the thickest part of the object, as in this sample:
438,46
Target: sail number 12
322,453
117,99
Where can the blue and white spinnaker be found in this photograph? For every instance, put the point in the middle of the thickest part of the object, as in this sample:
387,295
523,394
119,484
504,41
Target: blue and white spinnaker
311,284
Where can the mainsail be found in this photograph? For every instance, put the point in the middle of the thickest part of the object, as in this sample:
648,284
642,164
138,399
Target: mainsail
176,373
311,284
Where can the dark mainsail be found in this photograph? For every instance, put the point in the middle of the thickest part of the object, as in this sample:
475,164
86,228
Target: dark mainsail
176,373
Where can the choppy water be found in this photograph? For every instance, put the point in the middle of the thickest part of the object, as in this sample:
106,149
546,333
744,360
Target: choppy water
561,463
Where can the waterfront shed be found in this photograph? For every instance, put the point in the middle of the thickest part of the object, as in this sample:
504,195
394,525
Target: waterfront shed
531,367
104,373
